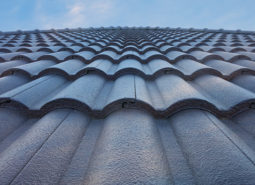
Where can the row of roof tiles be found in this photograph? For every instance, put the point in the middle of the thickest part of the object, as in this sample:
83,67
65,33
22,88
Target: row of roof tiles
165,48
88,56
73,69
157,42
137,37
162,96
128,147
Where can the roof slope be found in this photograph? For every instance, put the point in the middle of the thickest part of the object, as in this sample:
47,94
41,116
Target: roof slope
127,106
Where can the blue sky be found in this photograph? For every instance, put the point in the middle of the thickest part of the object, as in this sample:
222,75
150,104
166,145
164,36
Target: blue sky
47,14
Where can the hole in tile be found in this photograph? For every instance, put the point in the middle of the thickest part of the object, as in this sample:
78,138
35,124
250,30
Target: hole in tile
124,104
131,102
5,102
89,71
128,104
167,71
244,72
252,105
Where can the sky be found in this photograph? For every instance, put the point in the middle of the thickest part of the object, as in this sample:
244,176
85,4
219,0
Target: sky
58,14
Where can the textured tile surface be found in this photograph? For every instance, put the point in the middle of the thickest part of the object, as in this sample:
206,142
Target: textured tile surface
127,106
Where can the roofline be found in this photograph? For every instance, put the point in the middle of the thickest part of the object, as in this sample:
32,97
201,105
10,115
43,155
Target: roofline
120,28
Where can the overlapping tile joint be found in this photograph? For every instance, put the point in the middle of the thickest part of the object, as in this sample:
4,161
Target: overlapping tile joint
127,106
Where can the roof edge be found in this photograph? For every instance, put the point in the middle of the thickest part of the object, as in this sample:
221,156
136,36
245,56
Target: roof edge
238,31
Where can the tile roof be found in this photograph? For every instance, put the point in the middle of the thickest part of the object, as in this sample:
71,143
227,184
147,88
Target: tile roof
127,106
